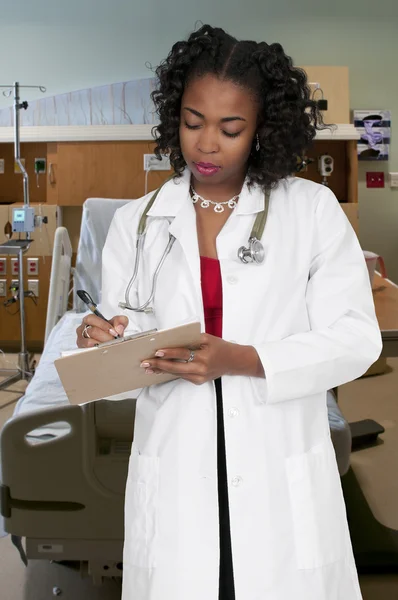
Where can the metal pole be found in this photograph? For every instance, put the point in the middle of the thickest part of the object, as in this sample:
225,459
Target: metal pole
21,301
17,149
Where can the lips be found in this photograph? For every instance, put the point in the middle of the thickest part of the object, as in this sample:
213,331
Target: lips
207,165
207,168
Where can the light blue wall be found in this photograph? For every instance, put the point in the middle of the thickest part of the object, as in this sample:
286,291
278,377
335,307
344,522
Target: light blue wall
78,44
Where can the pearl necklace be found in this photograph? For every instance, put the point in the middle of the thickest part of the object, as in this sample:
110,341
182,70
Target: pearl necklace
218,206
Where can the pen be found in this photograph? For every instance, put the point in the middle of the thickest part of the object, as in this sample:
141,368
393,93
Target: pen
88,301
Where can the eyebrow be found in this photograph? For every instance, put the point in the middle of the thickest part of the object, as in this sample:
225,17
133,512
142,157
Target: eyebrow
224,120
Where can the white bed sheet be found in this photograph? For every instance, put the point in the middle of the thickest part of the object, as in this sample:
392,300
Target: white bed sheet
45,390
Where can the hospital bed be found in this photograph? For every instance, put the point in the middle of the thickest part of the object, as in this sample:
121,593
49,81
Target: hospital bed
63,467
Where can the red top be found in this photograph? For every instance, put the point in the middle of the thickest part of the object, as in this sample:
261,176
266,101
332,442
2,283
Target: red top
212,294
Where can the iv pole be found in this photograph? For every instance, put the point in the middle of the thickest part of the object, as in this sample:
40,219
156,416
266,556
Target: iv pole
18,247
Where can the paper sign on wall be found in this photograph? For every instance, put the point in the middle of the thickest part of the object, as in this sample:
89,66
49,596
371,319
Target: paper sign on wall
374,127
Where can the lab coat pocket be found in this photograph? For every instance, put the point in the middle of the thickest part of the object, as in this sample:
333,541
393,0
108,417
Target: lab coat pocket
140,511
317,505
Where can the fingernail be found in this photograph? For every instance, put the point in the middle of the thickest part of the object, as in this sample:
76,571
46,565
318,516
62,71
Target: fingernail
113,332
120,329
149,372
159,353
145,364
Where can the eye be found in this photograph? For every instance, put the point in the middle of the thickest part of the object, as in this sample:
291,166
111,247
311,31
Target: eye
191,126
231,135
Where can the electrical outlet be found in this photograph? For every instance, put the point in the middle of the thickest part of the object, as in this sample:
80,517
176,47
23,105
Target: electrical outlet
3,266
151,163
15,283
3,287
14,266
33,266
40,165
1,166
33,286
375,179
393,180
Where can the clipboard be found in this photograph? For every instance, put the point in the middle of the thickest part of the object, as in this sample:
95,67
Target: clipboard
114,367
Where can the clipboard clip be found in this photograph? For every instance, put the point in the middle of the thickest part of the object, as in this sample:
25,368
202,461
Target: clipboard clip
134,336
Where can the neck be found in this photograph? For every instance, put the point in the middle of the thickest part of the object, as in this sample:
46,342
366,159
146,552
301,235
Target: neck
220,192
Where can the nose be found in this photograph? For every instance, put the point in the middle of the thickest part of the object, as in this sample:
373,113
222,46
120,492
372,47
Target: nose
208,142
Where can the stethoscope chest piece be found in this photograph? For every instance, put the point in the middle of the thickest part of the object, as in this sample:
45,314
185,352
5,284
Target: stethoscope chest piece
253,254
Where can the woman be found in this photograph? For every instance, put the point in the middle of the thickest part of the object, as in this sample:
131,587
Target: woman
260,514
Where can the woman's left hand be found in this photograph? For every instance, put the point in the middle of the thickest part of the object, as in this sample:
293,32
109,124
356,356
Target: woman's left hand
213,359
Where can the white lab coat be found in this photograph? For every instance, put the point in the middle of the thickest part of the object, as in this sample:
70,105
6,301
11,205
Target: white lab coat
308,310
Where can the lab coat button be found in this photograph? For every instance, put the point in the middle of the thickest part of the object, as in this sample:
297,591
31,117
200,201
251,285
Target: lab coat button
236,481
233,412
232,279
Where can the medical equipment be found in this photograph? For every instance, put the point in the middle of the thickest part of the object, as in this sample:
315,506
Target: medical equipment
325,167
253,254
23,222
23,219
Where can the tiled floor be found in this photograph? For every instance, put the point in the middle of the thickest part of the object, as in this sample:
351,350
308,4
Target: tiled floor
372,397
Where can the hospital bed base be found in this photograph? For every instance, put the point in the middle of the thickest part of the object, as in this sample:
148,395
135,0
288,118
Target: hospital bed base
65,494
96,559
375,546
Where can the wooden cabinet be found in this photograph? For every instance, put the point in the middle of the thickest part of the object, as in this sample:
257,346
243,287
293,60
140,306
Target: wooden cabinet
84,170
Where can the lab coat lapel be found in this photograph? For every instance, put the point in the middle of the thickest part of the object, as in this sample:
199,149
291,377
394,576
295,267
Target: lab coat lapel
183,228
173,201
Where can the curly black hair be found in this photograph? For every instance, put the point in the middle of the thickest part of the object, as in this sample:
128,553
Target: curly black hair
288,117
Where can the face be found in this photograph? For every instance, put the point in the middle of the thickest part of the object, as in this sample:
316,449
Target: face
217,127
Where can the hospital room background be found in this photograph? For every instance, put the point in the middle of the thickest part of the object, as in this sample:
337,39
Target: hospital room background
82,138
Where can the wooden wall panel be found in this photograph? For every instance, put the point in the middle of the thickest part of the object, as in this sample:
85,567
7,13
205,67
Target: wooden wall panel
104,170
11,184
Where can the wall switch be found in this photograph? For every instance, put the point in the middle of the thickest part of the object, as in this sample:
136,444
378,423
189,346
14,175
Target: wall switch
375,179
1,166
33,286
3,266
33,266
393,180
3,287
14,266
151,163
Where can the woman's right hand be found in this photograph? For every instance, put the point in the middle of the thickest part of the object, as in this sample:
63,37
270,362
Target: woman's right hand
99,330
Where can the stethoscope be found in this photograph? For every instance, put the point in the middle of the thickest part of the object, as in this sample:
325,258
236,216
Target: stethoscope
253,254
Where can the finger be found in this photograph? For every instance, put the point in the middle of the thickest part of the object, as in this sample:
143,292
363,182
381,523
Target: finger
120,323
99,335
172,366
97,322
92,333
205,339
82,342
175,353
